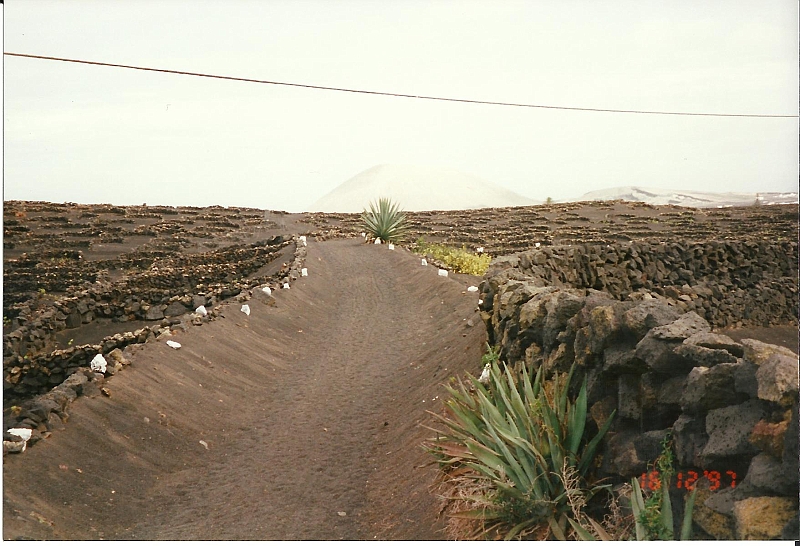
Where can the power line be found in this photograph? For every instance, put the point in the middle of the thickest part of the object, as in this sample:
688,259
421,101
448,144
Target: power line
402,95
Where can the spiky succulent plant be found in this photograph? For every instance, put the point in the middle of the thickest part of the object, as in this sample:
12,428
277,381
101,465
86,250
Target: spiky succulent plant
384,220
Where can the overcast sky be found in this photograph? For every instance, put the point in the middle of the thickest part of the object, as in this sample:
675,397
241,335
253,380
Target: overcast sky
95,134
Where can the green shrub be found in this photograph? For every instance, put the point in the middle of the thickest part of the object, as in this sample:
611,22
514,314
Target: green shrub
459,259
384,220
515,452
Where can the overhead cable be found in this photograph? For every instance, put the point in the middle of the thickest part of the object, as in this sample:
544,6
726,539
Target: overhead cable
403,95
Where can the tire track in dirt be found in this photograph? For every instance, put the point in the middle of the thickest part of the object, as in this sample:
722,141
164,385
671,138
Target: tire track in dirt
310,409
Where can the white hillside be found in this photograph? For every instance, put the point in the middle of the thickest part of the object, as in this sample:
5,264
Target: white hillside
698,199
417,188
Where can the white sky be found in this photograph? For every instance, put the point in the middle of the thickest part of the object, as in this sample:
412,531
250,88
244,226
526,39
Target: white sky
109,135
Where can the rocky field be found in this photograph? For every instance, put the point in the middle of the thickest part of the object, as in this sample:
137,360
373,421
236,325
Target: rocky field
87,280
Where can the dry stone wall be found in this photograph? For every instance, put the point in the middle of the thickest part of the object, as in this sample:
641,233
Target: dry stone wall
731,408
165,296
729,283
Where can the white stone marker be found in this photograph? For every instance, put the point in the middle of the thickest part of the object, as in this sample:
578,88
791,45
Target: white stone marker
98,364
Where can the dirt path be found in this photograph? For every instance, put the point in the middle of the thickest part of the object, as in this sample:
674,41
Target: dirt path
309,409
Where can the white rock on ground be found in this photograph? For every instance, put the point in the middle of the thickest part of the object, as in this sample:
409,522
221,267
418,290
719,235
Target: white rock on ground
98,364
201,311
304,272
173,344
267,290
424,261
443,273
472,289
24,433
246,309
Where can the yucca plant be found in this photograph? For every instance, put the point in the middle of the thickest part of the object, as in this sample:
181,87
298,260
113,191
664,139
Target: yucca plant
513,442
384,221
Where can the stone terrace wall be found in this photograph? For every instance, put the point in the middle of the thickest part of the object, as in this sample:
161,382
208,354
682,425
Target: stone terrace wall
730,407
726,282
164,296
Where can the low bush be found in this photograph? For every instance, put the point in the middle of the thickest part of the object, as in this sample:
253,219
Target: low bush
459,259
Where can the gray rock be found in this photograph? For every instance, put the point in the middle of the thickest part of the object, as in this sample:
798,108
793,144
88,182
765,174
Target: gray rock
154,313
628,402
765,475
729,429
74,320
703,356
744,377
689,440
710,388
604,326
778,380
561,306
648,315
197,301
790,453
711,340
620,455
174,309
684,327
620,359
671,390
659,356
533,313
759,352
117,356
648,444
791,531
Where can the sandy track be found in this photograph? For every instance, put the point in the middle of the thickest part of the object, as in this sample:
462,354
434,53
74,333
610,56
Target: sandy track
309,409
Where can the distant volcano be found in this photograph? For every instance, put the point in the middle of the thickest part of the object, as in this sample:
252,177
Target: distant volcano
417,188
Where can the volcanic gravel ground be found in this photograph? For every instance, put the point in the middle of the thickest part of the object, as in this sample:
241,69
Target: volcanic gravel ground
310,412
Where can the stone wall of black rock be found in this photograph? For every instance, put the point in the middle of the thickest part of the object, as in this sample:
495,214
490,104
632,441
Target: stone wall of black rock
515,229
728,283
731,408
166,295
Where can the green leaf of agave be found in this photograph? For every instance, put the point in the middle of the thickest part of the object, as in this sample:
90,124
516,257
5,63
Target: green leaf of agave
583,534
485,455
686,528
602,533
637,506
519,527
578,421
666,508
556,529
591,447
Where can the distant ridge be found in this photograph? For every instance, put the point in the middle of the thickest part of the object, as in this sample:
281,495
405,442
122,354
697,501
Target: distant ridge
696,199
417,188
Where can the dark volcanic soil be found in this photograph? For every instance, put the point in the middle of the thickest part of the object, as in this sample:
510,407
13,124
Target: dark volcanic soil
309,408
310,411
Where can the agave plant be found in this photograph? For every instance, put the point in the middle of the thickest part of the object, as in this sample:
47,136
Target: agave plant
384,221
515,442
664,514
